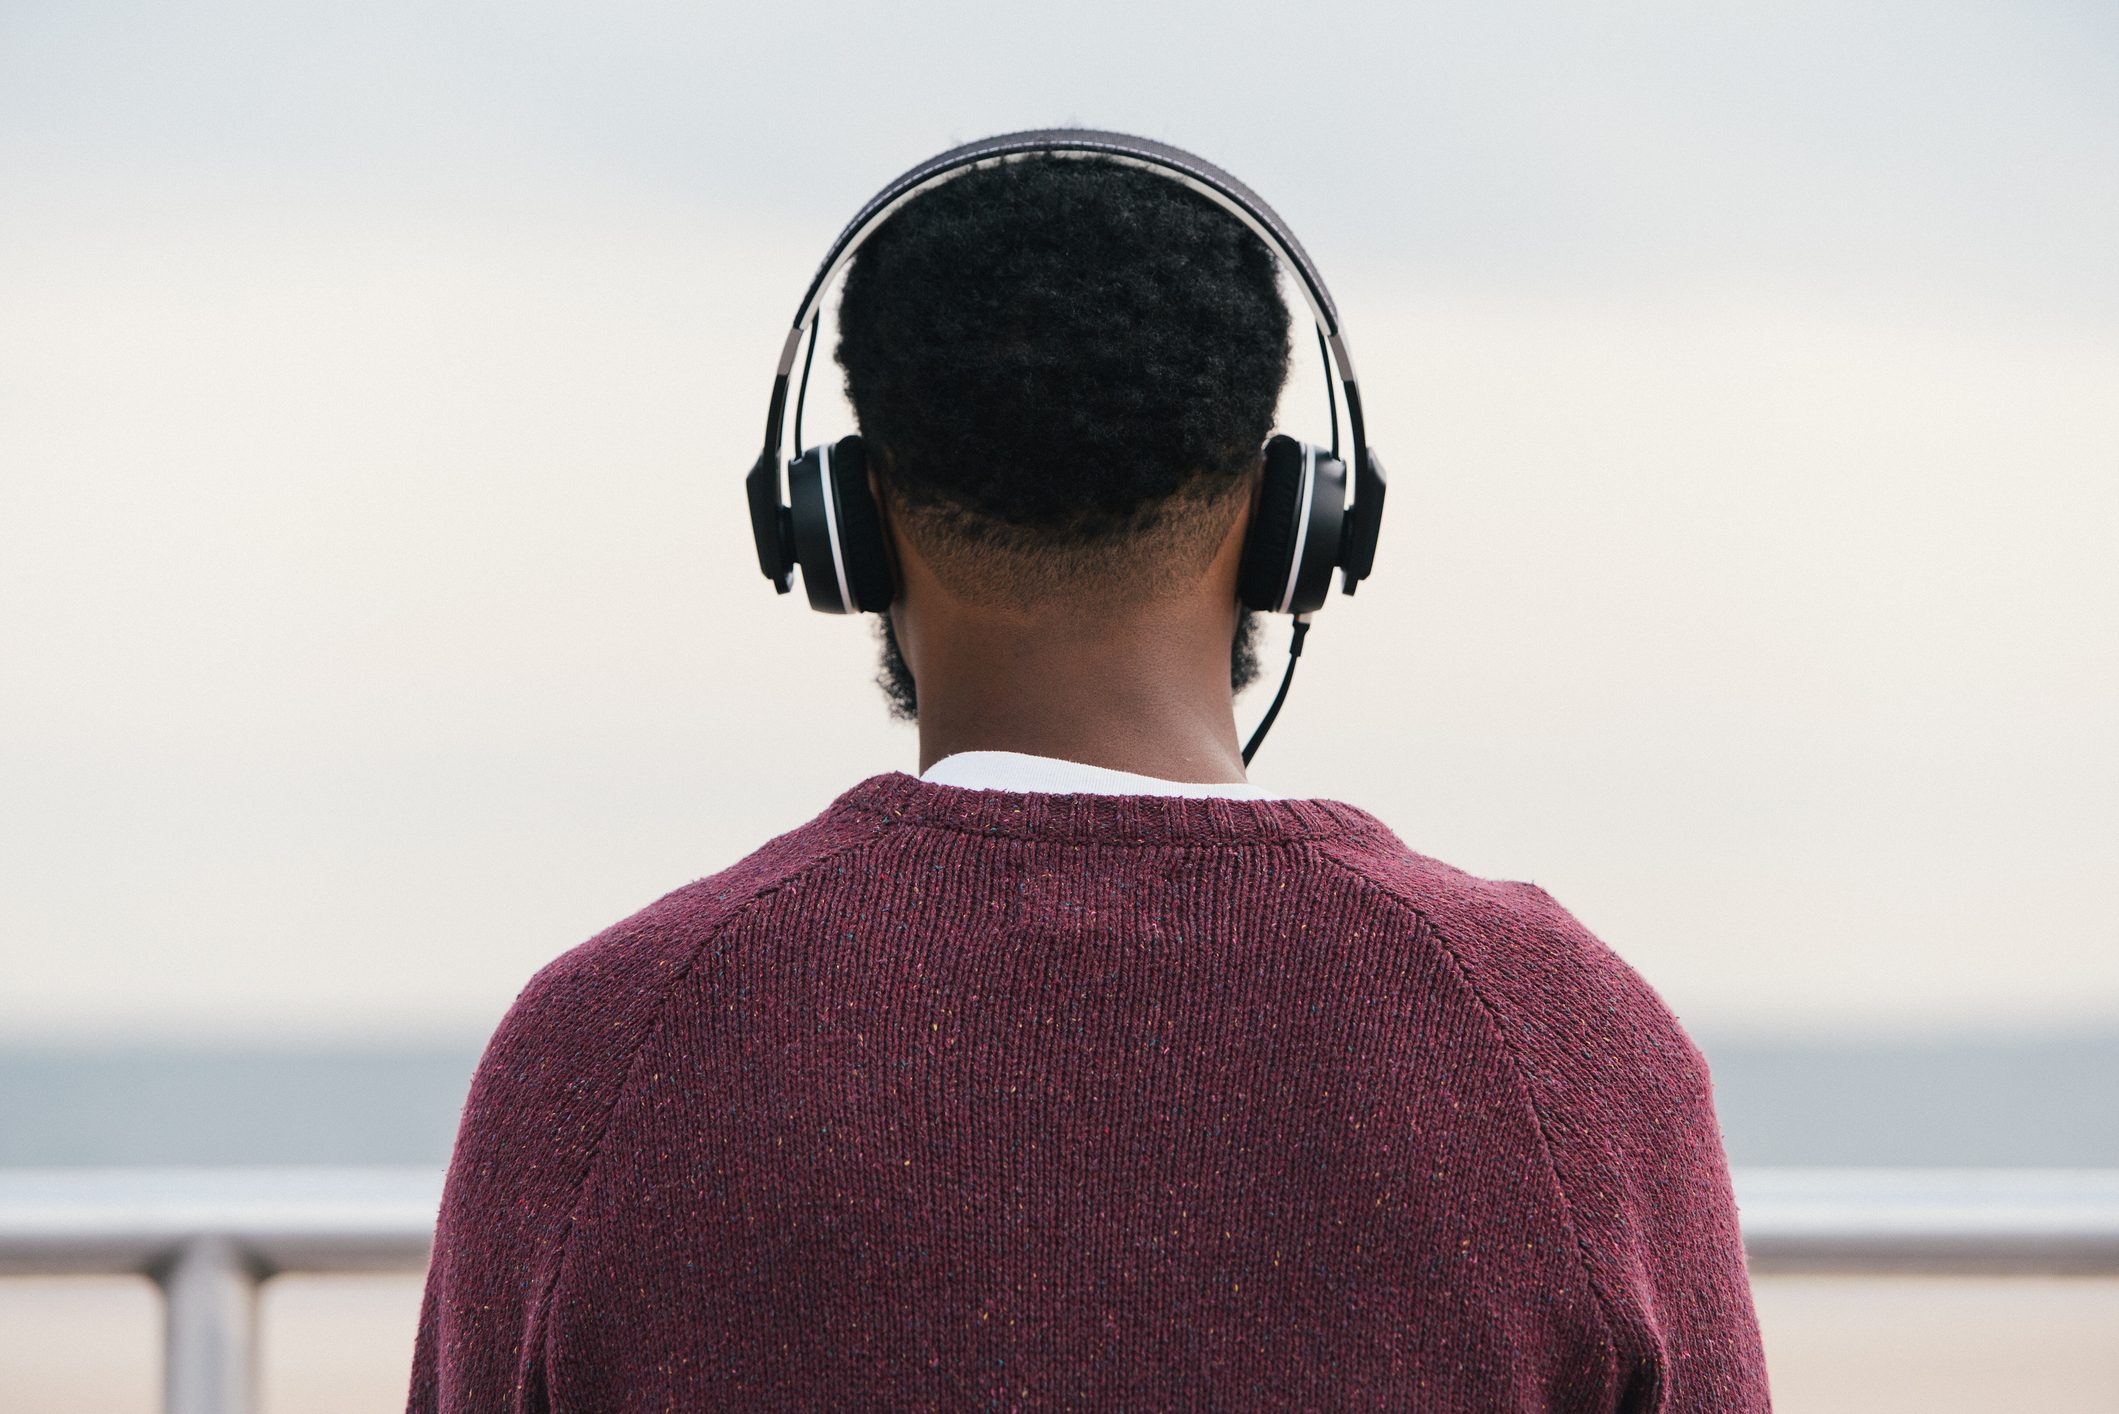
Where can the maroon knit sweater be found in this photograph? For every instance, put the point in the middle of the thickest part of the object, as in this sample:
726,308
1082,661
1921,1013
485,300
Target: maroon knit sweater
957,1099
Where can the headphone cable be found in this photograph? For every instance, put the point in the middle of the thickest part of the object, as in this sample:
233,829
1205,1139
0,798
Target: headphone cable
1302,628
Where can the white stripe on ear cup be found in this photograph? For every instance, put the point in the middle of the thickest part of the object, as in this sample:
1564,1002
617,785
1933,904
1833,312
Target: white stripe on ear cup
831,526
1302,521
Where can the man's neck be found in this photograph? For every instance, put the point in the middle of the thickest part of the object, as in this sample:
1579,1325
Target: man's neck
1142,695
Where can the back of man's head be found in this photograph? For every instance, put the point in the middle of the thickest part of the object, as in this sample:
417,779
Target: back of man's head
1064,369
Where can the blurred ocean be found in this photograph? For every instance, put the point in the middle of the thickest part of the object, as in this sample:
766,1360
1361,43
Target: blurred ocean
2035,1100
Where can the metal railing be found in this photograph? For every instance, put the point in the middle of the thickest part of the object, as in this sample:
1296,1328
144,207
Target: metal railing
209,1237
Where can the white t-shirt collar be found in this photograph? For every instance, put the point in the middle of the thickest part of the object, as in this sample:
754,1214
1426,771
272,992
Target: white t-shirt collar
1020,771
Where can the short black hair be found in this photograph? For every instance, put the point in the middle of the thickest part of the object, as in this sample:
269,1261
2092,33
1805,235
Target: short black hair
1047,355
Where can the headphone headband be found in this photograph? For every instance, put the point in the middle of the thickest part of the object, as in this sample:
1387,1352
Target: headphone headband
1200,175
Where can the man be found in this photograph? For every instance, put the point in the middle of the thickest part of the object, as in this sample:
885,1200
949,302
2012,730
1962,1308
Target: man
1077,1073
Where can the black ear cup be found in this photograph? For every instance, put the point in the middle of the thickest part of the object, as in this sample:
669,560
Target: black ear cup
837,531
1293,542
861,543
1269,545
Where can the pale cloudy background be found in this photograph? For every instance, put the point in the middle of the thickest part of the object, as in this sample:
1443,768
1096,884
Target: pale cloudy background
377,611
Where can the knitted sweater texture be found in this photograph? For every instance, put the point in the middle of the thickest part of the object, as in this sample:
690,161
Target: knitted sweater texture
974,1100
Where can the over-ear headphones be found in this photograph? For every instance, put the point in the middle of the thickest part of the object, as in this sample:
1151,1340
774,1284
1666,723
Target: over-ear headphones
1303,527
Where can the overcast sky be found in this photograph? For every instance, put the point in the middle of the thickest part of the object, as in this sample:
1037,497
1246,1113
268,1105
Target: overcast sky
378,614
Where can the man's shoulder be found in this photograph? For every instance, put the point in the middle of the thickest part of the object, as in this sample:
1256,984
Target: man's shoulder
631,963
1436,889
1571,1006
1467,909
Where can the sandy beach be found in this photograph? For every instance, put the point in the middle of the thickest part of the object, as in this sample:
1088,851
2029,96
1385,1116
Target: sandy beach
339,1345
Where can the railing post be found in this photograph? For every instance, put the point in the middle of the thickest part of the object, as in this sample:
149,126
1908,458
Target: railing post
210,1359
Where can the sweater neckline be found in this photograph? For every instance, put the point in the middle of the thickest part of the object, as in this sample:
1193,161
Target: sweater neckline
897,798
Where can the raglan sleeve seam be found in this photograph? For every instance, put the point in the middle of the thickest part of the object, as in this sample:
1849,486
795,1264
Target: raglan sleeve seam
1606,1313
539,1314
